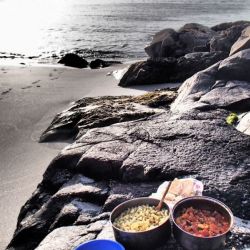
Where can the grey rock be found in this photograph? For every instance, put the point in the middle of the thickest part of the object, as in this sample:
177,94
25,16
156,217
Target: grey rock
84,219
235,67
164,44
228,25
169,43
100,112
168,70
66,238
77,187
116,199
224,39
242,43
194,35
76,213
96,226
98,63
223,85
63,208
39,197
234,95
109,160
149,72
107,232
226,35
73,60
182,145
87,208
120,192
66,216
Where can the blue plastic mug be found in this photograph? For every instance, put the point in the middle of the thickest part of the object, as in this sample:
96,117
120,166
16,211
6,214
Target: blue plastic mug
100,245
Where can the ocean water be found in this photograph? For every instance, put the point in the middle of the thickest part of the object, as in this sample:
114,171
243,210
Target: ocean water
102,28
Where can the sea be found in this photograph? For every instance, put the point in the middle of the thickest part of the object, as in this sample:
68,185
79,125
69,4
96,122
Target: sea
111,29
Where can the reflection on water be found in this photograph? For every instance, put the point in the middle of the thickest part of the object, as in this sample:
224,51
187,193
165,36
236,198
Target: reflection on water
34,27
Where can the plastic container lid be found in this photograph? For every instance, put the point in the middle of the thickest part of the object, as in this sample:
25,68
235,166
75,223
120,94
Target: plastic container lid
100,245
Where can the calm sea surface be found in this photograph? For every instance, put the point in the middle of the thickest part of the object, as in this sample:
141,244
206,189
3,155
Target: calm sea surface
102,28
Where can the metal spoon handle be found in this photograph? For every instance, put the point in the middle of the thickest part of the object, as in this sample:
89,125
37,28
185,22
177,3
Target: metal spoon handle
159,206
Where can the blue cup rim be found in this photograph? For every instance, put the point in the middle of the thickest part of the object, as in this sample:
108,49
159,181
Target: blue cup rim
112,241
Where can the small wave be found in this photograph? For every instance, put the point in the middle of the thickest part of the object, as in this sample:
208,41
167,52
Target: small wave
92,53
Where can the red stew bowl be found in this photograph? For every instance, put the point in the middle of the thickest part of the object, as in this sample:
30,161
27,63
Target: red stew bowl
188,240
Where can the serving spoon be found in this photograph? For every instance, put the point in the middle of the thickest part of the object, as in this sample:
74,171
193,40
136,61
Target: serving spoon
159,206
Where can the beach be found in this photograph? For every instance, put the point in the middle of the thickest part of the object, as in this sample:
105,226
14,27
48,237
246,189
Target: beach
78,141
30,96
122,147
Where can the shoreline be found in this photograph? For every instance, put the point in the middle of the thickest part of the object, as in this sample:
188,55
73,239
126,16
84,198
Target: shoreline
51,63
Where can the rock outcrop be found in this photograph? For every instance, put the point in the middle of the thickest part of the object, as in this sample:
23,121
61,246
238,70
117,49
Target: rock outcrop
177,55
112,162
95,112
243,42
226,35
195,37
166,70
223,85
190,38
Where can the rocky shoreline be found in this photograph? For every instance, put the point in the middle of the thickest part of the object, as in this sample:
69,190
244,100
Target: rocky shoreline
175,56
124,147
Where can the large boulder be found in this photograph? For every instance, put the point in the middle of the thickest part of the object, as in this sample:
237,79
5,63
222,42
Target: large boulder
73,60
165,43
149,72
190,38
223,85
195,37
235,67
167,70
243,42
95,112
225,38
228,25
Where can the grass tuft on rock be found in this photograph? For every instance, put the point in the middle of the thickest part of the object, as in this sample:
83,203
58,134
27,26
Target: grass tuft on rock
232,119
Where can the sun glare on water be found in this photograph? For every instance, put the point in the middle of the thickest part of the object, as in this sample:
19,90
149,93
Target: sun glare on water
23,22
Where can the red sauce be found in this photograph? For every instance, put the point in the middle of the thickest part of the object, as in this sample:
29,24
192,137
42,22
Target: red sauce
201,222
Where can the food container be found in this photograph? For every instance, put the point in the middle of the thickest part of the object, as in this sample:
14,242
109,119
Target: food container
149,239
192,242
100,245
